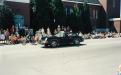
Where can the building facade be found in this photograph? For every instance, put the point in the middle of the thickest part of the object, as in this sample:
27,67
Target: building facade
113,14
105,15
95,13
21,8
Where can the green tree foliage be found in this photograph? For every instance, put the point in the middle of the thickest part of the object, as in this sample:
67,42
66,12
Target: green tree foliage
86,19
34,21
42,15
76,10
77,22
80,18
58,11
51,13
75,18
6,17
44,12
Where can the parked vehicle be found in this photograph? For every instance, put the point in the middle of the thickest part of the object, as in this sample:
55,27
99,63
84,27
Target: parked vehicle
62,39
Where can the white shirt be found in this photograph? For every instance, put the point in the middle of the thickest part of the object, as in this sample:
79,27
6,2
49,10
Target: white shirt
2,37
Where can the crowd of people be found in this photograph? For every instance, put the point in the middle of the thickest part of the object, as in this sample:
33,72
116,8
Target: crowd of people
10,36
102,35
13,36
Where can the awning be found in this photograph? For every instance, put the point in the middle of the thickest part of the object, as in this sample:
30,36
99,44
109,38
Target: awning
115,19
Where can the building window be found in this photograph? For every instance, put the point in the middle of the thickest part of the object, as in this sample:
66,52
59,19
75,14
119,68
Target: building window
94,14
68,10
114,3
71,10
19,21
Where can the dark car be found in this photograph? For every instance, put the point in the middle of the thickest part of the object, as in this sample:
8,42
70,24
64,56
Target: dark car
62,39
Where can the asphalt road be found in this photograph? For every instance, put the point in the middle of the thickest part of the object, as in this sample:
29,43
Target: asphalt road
92,57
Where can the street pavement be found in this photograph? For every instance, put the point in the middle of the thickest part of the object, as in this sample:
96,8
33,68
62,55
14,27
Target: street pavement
92,57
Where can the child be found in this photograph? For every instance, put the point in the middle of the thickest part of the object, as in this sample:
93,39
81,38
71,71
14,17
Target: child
119,70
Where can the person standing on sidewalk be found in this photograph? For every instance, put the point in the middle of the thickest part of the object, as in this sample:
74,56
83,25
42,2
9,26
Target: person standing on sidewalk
119,70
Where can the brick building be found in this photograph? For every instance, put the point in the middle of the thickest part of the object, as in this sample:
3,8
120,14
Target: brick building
105,15
21,8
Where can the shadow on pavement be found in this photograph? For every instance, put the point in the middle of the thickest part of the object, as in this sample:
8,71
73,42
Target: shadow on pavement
63,46
3,44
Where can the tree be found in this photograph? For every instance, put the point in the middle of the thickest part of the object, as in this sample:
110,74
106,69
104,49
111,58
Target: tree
41,14
74,19
33,18
58,11
78,23
76,10
87,27
79,19
6,17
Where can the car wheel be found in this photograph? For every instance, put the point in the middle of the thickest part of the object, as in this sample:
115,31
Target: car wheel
76,41
54,43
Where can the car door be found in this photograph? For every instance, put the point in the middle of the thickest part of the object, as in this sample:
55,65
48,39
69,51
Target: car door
64,40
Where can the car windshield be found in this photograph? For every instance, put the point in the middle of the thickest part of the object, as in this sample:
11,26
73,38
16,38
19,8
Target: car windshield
72,34
60,34
63,34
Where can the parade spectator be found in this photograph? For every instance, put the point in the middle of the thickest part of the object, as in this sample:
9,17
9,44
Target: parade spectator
49,32
13,39
36,38
55,31
68,29
58,29
80,34
0,31
7,34
39,34
43,31
22,40
33,40
65,30
119,70
12,30
62,28
22,32
2,37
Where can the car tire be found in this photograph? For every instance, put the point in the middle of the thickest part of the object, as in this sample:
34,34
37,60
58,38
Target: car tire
54,43
76,41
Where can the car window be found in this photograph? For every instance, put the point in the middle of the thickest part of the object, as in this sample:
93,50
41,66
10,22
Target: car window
60,34
72,34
